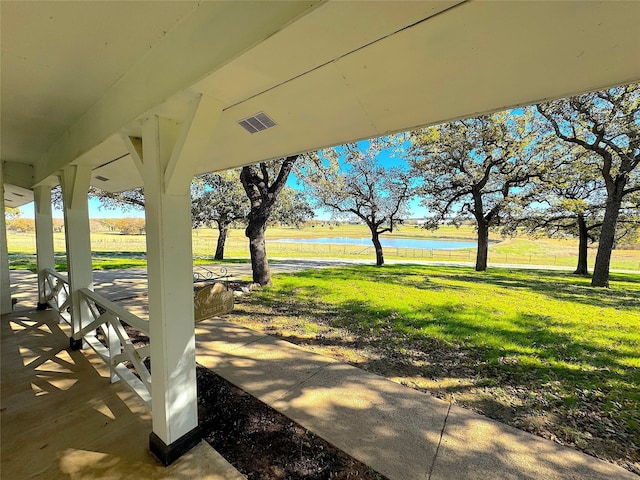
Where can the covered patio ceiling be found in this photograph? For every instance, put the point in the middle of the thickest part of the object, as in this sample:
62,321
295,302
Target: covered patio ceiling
77,76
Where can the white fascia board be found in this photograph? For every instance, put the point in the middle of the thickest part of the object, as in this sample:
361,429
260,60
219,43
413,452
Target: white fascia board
214,34
18,174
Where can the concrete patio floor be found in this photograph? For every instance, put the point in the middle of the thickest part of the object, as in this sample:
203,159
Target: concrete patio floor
400,432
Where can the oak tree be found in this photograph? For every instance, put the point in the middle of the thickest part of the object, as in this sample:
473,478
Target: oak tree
221,200
478,169
350,181
607,125
262,184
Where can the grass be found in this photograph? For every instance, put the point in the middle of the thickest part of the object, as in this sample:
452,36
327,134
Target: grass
539,350
517,250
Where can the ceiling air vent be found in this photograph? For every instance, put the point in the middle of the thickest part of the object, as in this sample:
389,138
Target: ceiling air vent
18,194
101,178
257,123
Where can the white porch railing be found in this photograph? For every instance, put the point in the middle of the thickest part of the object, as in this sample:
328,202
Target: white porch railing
115,347
106,333
57,293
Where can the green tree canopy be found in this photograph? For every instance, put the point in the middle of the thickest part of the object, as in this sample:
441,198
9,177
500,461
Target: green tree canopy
480,169
219,198
605,124
352,183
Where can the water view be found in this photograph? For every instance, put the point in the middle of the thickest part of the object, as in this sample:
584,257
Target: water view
386,242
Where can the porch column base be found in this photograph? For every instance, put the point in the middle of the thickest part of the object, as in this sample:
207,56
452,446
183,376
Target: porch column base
75,344
167,454
42,306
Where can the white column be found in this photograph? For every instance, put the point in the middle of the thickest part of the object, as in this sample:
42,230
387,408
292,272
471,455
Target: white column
166,157
44,238
5,282
75,181
170,272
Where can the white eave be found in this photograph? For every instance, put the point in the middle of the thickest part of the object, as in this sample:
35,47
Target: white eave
76,76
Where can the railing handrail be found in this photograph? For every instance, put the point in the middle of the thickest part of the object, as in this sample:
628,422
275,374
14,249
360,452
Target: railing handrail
58,275
116,347
57,293
117,310
199,276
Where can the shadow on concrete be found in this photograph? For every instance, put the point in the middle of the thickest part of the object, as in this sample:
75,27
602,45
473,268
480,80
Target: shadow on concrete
400,432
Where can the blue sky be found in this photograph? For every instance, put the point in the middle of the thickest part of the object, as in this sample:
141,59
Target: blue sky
385,159
95,211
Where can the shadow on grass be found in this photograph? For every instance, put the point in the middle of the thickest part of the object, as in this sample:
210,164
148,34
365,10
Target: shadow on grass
523,352
118,254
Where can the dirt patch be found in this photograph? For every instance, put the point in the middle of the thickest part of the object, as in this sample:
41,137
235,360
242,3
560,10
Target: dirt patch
264,444
257,440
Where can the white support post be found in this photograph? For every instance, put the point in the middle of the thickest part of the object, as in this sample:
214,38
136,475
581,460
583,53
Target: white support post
5,281
44,239
167,175
172,331
75,181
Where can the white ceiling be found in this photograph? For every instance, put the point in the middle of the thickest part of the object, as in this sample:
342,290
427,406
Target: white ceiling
77,75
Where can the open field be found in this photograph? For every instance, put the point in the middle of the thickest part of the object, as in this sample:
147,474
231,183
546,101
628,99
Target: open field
517,250
539,350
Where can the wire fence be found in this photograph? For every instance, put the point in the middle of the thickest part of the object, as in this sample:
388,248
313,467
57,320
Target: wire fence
134,246
239,248
618,261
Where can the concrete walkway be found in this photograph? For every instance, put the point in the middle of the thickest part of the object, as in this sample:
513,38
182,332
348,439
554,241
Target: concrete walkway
398,431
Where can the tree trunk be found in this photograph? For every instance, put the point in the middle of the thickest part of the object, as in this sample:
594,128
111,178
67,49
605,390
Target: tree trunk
583,236
607,239
262,196
257,248
375,238
483,246
223,229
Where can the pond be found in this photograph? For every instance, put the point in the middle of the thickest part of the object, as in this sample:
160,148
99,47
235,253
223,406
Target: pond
386,242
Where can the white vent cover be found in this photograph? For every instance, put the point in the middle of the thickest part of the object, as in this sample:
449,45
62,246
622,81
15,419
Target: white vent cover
257,123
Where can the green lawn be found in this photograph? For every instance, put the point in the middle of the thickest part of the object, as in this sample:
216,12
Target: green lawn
540,350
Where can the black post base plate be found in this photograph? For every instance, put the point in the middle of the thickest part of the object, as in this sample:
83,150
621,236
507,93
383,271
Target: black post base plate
75,344
167,454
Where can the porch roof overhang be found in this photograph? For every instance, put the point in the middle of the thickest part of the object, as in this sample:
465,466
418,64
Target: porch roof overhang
77,76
